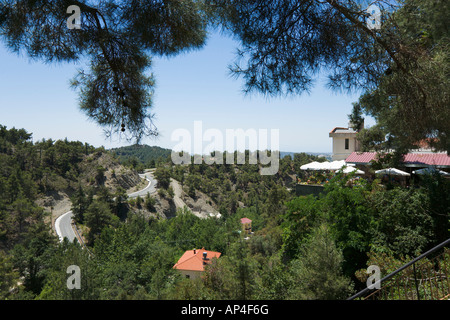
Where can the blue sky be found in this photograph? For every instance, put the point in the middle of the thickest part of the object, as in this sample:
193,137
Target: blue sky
194,86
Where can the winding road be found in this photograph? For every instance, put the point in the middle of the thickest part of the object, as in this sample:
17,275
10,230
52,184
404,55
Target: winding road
63,224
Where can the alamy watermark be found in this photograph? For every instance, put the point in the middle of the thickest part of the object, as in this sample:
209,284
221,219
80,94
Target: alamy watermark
256,141
74,21
373,281
74,280
374,19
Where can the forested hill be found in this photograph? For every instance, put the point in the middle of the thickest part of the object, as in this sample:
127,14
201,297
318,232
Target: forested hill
296,244
141,155
324,155
145,156
36,177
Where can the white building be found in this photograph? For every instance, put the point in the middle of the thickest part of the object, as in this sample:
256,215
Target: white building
344,142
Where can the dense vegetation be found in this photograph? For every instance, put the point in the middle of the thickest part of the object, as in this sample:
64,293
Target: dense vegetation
27,172
141,156
302,247
358,219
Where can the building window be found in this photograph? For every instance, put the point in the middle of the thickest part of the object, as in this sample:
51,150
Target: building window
346,144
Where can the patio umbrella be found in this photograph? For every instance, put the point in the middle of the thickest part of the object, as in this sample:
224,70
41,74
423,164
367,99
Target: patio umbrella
310,166
351,169
336,165
431,171
323,166
393,172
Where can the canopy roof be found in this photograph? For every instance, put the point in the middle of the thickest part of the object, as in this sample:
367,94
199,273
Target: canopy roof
351,169
335,165
431,171
392,172
310,166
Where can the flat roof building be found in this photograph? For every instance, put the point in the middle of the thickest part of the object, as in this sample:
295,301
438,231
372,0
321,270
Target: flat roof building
344,142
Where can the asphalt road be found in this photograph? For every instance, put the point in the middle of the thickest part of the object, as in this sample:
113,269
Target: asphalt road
63,227
150,188
63,224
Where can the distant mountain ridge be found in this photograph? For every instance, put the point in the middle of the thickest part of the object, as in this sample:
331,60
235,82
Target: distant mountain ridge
148,155
144,154
327,155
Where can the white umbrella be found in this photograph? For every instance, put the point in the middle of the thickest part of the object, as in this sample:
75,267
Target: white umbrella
351,169
310,166
393,172
336,165
431,171
323,166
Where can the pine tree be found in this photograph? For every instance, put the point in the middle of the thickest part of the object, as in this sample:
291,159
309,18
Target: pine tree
80,203
318,270
98,216
117,38
401,68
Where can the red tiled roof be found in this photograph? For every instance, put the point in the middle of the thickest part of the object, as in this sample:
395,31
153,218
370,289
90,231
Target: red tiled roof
425,159
193,259
361,157
431,159
246,220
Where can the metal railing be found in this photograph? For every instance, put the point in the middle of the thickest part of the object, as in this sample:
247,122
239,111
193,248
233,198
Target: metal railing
424,278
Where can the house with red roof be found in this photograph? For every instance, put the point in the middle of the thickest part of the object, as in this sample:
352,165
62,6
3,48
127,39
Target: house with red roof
192,263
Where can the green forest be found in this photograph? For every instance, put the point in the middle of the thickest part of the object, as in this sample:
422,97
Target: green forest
302,247
141,156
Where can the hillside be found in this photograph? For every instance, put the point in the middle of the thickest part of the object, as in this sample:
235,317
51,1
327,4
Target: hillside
98,169
134,242
224,189
38,179
146,156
